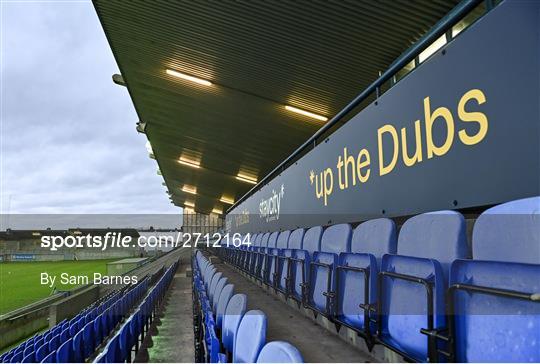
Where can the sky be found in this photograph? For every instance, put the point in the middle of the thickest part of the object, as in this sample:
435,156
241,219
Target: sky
68,138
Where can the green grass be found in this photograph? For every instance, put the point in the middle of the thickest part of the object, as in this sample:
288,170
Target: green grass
20,282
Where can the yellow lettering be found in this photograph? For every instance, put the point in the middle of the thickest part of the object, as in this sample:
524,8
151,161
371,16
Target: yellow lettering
363,161
417,157
477,117
393,133
444,113
328,184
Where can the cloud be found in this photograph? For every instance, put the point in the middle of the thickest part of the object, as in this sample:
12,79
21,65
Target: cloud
69,143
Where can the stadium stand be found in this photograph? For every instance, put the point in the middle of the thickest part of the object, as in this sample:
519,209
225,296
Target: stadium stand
242,334
421,293
110,325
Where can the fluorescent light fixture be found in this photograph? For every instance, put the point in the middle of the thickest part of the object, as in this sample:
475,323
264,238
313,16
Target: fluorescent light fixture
226,200
189,204
306,113
184,76
434,47
190,163
189,210
217,211
244,178
189,189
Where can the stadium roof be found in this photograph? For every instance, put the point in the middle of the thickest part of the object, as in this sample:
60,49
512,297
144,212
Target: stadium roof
259,57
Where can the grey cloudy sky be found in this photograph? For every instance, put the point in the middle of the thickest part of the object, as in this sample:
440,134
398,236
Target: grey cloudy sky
69,143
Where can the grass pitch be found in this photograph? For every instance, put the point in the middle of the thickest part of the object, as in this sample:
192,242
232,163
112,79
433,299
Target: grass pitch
20,282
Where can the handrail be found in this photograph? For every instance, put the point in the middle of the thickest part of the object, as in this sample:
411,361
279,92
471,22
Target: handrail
440,28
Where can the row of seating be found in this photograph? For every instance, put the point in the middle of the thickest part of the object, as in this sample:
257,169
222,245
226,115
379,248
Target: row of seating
422,293
57,334
223,328
132,331
75,340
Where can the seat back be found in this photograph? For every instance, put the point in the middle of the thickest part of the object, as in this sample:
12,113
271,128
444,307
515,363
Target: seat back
335,239
64,353
88,339
231,319
274,264
509,232
250,337
208,279
42,352
283,239
506,239
219,287
279,352
224,298
370,241
427,244
272,240
294,241
213,284
310,244
78,350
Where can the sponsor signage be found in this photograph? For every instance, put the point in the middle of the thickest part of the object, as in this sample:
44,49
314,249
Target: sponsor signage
462,130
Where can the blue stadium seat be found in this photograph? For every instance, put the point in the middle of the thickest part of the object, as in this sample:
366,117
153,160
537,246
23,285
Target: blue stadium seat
217,292
356,274
50,358
64,353
224,298
42,352
294,242
17,357
279,352
98,330
37,343
301,262
250,253
335,240
261,260
78,349
208,279
269,262
29,348
29,358
231,320
89,340
125,343
255,252
250,337
112,350
427,244
275,261
495,298
213,284
54,343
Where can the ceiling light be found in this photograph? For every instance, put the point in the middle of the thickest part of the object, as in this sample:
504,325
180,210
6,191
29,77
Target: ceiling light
189,204
226,200
306,113
217,211
190,189
244,178
188,162
181,75
188,210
